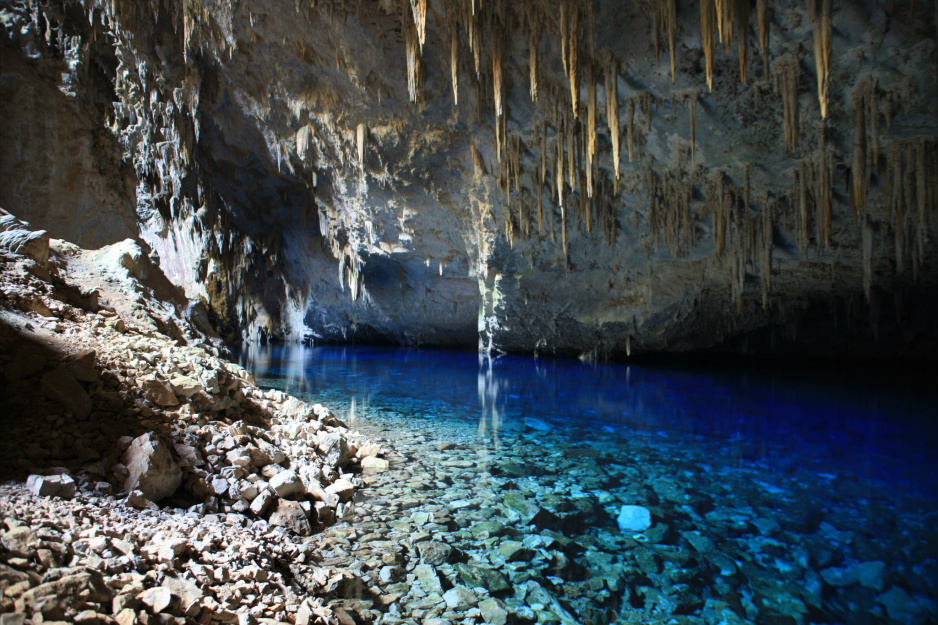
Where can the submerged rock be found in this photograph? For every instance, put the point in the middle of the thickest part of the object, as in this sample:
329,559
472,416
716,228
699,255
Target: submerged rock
633,518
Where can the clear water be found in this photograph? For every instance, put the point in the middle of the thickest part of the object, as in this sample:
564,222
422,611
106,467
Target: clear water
775,496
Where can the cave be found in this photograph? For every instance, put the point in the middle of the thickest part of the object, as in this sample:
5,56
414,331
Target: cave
468,311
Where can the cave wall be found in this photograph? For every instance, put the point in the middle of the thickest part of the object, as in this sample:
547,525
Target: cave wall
387,171
60,166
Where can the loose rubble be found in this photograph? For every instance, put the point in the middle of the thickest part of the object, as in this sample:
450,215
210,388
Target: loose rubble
149,479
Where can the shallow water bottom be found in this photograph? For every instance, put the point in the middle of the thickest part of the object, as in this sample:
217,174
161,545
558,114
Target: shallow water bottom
494,510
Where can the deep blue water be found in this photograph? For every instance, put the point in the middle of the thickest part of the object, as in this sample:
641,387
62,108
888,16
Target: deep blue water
881,426
774,495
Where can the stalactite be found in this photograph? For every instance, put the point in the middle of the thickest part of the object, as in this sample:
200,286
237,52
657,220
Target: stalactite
742,26
666,21
419,8
532,44
454,62
708,28
360,133
564,35
727,9
560,173
786,74
542,173
572,129
762,15
590,124
414,62
860,174
574,62
629,122
820,13
497,73
612,112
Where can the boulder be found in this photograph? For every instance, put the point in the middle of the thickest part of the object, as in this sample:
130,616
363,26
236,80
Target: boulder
158,391
51,486
374,464
21,541
61,386
334,450
287,483
151,468
290,514
342,488
493,612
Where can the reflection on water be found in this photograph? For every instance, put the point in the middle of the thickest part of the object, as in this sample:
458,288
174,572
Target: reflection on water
882,431
773,496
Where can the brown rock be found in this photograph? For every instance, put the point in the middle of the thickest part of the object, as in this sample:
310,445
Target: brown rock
158,391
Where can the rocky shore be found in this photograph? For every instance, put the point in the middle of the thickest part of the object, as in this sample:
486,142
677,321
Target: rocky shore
148,479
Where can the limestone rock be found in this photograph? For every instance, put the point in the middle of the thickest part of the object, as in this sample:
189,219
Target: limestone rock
290,514
151,468
460,598
493,611
51,486
342,488
68,591
287,484
633,518
156,599
158,391
373,463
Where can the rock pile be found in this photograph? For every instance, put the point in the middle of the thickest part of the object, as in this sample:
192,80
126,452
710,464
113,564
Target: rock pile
161,484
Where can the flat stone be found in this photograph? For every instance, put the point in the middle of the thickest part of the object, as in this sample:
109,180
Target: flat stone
342,488
633,518
698,541
520,508
21,541
493,611
151,468
460,598
51,486
373,463
513,550
428,578
68,591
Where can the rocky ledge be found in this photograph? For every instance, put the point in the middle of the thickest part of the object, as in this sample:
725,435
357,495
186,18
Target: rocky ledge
149,480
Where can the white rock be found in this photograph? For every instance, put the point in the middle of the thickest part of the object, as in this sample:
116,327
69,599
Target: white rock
634,518
151,468
51,486
343,488
287,483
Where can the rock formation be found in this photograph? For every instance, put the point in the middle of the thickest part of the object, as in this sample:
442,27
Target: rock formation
449,172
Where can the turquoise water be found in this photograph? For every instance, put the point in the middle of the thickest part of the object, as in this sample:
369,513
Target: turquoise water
774,496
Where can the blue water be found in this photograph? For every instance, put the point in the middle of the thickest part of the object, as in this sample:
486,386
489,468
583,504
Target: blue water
853,451
883,431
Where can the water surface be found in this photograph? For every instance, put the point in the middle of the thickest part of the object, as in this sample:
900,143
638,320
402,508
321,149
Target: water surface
775,496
